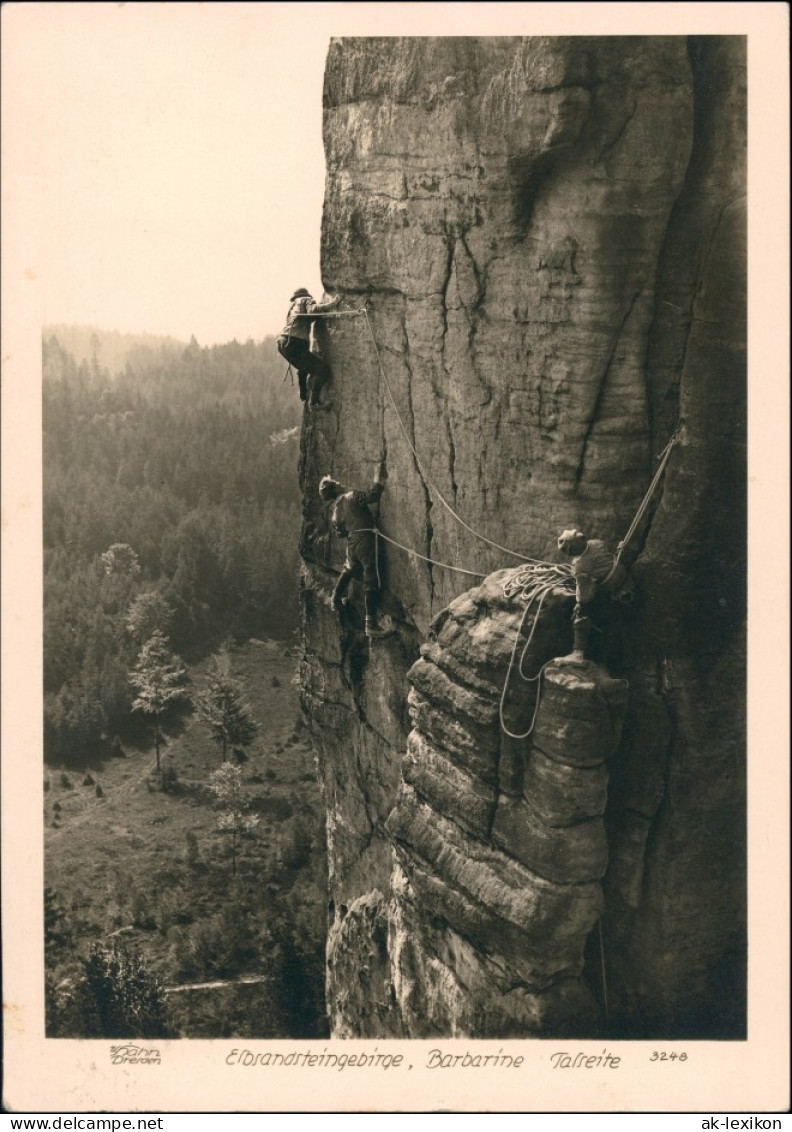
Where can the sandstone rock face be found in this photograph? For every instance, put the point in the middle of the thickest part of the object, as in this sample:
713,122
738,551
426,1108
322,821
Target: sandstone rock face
551,233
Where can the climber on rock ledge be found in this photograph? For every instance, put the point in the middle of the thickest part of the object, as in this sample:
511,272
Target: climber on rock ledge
352,519
596,571
294,344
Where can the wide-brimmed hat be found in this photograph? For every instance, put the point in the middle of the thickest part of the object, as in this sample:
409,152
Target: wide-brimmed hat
329,488
300,291
571,534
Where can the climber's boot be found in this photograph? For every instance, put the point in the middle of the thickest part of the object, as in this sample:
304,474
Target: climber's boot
373,627
338,599
374,630
581,627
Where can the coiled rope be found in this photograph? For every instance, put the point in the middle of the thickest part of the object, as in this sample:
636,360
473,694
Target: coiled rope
522,583
422,469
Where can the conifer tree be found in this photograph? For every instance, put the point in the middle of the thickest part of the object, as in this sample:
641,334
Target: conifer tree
147,613
159,679
234,818
56,939
56,930
121,559
221,706
118,996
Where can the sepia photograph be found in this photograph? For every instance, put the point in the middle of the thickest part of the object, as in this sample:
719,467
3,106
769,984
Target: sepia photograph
387,557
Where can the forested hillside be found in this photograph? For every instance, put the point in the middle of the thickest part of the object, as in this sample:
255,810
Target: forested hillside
189,460
155,913
111,348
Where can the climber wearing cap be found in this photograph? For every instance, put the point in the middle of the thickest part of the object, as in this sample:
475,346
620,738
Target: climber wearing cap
595,571
352,519
294,343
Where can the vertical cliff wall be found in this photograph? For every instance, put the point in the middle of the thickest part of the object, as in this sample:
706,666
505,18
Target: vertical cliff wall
551,235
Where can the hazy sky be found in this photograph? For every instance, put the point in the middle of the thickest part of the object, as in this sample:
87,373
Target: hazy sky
166,170
176,162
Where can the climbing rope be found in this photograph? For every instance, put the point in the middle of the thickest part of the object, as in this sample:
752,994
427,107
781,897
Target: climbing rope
422,469
639,514
602,968
523,581
335,314
326,314
433,561
531,584
528,679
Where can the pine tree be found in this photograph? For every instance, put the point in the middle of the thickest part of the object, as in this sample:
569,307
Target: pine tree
118,997
147,613
221,706
234,818
56,929
159,679
57,937
121,559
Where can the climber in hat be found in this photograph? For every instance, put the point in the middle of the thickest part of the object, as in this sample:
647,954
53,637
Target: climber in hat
294,343
351,519
595,571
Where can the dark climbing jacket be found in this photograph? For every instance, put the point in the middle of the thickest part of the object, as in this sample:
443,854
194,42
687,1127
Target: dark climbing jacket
298,322
593,569
351,511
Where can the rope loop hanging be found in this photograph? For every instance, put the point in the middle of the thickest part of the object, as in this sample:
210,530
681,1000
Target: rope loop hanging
531,584
414,553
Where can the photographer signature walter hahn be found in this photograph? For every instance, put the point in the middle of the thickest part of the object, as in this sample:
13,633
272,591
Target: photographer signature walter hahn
134,1055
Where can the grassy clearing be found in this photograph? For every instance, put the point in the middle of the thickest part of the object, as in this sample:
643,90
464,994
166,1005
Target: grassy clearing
152,868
